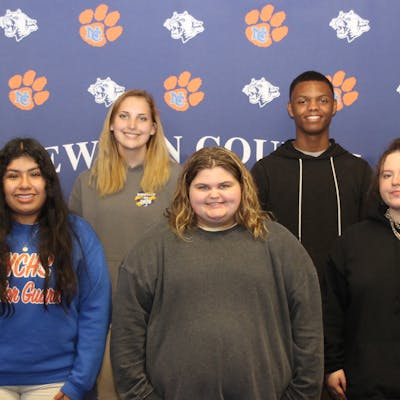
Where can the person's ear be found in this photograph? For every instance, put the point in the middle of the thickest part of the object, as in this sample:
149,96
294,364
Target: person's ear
290,110
334,107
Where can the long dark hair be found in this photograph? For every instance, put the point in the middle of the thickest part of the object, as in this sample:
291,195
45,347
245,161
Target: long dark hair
55,231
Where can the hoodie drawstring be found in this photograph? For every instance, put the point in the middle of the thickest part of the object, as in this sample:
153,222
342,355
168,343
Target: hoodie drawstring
300,196
339,210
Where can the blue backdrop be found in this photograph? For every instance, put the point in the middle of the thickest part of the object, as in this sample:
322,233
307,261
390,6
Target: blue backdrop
218,69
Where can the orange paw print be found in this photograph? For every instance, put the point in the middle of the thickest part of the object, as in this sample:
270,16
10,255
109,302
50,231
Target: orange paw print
343,88
265,27
182,92
98,26
27,91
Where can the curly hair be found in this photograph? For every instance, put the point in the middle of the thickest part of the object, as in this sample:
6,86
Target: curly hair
249,214
108,174
55,231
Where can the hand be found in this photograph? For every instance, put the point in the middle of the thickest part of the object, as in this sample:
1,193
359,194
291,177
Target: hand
336,383
61,396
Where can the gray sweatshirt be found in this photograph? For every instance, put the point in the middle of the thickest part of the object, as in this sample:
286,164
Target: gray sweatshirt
223,316
121,218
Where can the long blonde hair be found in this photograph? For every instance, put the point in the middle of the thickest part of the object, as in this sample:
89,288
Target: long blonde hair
249,214
108,174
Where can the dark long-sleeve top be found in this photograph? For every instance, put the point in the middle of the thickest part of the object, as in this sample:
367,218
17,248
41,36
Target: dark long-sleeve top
222,316
362,310
316,198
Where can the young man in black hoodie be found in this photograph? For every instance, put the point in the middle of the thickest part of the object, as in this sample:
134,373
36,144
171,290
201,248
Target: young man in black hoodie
312,185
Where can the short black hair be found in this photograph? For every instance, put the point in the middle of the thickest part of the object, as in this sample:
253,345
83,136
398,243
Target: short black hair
310,76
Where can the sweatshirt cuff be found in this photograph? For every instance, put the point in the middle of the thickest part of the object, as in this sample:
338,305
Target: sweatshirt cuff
72,391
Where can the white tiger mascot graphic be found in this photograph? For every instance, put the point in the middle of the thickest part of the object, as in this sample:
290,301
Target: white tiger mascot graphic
349,25
17,24
183,26
261,92
105,91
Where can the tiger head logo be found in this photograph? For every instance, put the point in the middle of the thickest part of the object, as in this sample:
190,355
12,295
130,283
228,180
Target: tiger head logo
349,25
105,91
183,26
261,92
17,24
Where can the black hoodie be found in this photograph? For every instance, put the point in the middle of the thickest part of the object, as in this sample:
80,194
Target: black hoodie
362,310
316,198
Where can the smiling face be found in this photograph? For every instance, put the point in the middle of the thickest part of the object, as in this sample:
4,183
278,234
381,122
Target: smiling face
215,196
389,184
312,107
25,189
132,127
